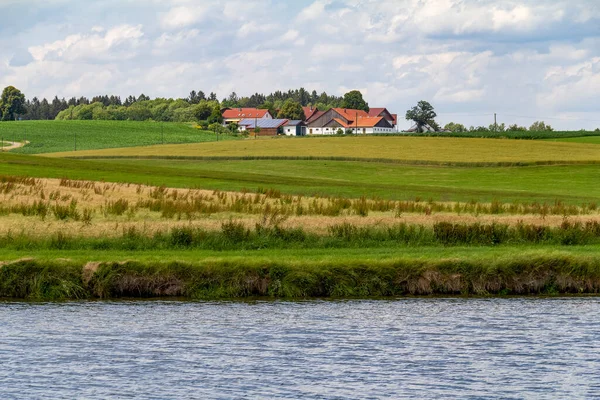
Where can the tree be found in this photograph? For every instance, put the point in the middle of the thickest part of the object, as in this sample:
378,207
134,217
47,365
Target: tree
516,128
540,126
269,105
215,115
422,114
354,100
291,110
454,127
12,103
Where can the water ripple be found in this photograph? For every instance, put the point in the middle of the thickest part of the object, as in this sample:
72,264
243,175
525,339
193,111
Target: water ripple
409,348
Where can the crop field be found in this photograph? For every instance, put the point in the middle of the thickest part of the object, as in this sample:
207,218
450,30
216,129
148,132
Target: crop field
459,151
54,136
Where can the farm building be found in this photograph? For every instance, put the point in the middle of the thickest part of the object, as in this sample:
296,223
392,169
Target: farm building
358,121
295,128
237,114
268,127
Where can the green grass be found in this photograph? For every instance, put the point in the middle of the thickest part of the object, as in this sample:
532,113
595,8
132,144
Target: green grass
542,271
56,136
582,139
572,184
457,151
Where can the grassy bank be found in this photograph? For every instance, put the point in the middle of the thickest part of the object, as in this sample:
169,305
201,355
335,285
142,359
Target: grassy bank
55,136
244,278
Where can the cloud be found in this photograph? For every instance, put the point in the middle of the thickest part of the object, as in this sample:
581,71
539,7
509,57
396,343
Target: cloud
471,57
117,43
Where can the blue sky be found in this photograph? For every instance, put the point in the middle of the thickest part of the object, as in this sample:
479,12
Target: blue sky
523,59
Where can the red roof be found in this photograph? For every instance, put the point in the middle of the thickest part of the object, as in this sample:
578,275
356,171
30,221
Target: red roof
367,122
309,112
350,114
241,113
376,112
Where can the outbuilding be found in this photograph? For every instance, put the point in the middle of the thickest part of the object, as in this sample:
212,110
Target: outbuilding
295,128
268,127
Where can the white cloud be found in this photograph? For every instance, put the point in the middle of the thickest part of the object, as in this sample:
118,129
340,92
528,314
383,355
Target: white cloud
184,16
520,57
117,43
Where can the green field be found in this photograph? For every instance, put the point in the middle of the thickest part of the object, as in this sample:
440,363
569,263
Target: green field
415,150
582,139
572,184
54,136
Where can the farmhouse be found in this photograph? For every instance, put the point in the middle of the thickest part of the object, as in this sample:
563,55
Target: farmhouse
268,126
357,121
237,114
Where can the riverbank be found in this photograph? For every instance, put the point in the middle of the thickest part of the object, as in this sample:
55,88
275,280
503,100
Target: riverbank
479,272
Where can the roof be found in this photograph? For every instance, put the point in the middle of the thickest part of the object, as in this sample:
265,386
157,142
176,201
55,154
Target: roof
377,111
315,115
294,122
309,111
342,123
367,122
233,113
350,114
263,123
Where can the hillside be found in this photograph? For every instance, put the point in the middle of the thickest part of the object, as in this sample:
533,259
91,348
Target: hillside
55,136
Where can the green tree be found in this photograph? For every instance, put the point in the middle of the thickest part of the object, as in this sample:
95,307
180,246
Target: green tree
269,105
516,128
215,115
540,126
422,114
354,100
455,127
291,110
12,103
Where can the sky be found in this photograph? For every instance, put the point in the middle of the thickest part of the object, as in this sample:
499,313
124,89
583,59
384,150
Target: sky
524,60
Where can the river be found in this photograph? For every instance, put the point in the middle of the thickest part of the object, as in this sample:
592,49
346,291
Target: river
408,348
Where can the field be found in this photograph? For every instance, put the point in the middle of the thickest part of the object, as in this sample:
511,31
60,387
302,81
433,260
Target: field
369,215
53,136
412,150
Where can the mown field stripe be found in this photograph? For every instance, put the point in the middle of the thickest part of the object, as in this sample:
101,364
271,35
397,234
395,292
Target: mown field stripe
36,166
343,159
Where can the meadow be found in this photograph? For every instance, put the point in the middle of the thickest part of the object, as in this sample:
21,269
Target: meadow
409,150
55,136
302,217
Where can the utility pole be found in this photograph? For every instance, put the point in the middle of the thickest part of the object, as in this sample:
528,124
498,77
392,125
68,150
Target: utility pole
255,126
495,123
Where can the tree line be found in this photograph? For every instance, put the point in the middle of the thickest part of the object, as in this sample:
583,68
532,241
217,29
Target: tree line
196,107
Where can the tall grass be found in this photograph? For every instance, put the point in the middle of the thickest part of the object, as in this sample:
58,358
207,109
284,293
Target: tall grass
36,280
235,235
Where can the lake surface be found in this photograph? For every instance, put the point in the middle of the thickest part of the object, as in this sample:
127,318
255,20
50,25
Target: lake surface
408,348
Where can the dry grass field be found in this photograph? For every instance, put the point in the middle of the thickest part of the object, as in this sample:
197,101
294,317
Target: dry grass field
44,207
409,149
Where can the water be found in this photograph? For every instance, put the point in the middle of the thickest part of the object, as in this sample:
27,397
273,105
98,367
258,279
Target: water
415,348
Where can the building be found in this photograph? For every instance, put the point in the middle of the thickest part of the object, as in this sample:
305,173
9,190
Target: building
295,128
341,119
237,114
268,126
383,112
